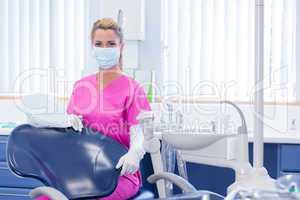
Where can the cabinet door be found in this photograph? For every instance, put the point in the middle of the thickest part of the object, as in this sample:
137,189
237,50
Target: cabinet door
134,16
14,194
8,179
290,159
3,143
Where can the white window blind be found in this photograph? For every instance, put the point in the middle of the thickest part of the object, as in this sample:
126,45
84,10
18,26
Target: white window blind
37,35
209,47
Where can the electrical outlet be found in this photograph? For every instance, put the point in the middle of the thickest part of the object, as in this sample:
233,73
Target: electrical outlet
293,125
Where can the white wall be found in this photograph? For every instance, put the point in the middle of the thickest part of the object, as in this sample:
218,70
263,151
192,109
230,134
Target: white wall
9,112
149,49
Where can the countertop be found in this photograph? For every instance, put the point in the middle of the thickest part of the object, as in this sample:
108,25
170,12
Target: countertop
5,131
280,138
284,138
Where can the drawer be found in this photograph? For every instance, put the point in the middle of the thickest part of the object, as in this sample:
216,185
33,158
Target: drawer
14,194
3,143
290,158
8,179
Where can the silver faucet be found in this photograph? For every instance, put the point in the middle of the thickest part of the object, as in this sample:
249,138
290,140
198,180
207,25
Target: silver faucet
179,118
178,123
213,126
170,112
243,128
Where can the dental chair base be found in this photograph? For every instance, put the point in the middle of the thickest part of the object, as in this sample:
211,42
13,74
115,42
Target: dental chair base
255,179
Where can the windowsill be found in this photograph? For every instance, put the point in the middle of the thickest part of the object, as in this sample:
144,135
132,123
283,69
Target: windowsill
187,99
16,97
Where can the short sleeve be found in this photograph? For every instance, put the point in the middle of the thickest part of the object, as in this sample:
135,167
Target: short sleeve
83,99
137,103
71,107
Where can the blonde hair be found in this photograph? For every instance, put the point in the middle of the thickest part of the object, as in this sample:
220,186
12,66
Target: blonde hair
107,24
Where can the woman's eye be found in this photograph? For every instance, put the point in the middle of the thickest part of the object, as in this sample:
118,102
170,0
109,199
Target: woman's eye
98,44
112,44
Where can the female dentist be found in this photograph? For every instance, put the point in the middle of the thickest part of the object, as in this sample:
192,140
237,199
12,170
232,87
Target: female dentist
109,102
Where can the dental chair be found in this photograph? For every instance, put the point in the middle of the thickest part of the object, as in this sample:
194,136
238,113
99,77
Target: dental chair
76,166
70,165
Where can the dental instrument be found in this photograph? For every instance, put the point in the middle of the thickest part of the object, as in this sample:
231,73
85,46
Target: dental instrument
262,195
287,188
289,183
7,125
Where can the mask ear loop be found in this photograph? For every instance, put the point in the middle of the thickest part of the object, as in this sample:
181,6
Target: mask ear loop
121,30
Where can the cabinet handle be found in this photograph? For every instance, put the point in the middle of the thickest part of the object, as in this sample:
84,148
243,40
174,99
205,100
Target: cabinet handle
283,173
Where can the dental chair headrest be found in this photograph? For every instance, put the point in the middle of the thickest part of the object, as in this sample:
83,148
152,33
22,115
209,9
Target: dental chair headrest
80,165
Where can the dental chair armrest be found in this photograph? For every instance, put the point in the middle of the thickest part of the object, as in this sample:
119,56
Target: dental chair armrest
49,192
180,182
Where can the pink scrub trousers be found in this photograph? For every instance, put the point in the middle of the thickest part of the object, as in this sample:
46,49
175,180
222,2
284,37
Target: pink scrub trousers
111,111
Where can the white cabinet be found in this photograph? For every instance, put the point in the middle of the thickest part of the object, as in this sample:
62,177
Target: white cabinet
134,16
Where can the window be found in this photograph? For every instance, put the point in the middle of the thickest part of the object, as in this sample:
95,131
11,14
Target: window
41,40
209,48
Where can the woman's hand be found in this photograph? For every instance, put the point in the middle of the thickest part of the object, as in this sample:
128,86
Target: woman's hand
75,122
130,162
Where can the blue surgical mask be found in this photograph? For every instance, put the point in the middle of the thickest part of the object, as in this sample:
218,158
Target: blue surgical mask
106,57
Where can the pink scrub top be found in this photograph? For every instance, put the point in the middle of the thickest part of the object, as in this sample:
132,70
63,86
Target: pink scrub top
111,110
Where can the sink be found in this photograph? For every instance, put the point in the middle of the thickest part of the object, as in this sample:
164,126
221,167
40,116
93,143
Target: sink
191,140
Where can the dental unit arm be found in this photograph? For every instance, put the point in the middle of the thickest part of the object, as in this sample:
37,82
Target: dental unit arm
152,146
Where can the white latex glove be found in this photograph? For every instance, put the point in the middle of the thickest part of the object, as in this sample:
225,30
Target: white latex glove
56,120
130,162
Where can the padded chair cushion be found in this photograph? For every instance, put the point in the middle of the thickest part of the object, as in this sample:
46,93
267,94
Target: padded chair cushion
80,165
